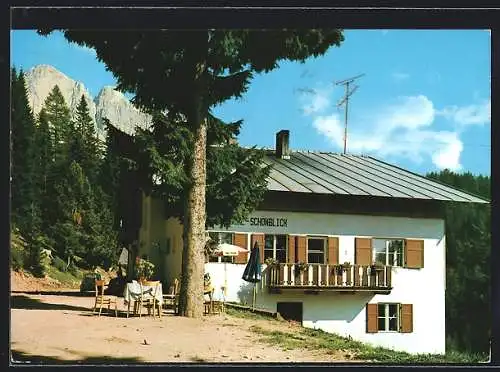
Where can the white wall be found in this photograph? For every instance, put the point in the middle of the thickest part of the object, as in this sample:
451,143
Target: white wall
345,314
168,233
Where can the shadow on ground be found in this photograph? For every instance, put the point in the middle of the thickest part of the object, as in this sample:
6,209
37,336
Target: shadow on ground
27,303
20,358
75,293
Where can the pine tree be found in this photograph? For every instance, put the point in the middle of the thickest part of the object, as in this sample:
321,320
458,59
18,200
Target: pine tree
212,66
236,179
44,151
71,204
85,147
60,123
468,247
25,211
112,171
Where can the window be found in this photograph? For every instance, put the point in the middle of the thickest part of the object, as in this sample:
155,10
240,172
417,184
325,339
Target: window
221,237
388,317
275,247
388,251
316,250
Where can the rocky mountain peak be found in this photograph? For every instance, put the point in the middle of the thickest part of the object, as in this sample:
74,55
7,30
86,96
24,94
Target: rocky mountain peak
109,103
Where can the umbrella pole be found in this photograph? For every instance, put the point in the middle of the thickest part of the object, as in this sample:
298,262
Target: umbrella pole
225,280
253,302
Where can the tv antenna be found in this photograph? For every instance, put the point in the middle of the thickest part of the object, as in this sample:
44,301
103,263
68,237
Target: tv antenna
345,100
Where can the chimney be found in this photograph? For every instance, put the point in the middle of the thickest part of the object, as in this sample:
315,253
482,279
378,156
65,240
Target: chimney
282,149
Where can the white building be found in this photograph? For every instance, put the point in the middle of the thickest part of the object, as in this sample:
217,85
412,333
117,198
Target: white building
325,210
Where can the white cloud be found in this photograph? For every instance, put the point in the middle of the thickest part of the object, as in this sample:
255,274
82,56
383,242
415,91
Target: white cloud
331,127
404,128
400,76
448,154
476,114
409,112
316,101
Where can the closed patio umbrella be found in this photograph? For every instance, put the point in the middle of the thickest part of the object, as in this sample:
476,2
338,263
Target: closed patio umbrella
252,272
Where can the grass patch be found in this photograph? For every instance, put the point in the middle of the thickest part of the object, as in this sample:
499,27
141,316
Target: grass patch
66,278
313,339
247,314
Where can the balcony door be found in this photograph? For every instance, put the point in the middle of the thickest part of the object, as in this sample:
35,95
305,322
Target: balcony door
316,249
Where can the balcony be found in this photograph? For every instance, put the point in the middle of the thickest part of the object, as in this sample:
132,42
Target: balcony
321,277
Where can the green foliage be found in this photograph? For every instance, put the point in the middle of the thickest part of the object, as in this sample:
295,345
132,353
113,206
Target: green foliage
25,211
58,263
215,64
43,149
66,278
84,147
18,249
38,262
57,199
60,124
144,269
468,277
236,181
315,339
17,258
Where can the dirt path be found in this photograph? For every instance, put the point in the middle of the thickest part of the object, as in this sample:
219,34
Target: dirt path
56,329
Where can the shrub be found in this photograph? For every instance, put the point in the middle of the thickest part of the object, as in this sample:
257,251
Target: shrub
17,257
38,260
72,269
58,263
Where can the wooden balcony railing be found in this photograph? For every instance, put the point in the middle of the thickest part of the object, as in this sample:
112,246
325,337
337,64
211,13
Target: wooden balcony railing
329,277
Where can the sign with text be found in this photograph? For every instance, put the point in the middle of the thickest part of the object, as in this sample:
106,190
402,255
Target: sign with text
268,221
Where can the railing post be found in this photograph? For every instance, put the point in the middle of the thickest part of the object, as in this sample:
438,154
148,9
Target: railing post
388,276
364,280
309,275
285,274
327,274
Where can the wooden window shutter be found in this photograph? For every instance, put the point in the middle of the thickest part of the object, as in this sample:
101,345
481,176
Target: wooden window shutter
291,248
333,250
259,238
241,241
301,249
363,254
414,254
406,323
371,318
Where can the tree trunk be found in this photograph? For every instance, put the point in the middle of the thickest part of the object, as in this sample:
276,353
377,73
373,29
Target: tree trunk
193,256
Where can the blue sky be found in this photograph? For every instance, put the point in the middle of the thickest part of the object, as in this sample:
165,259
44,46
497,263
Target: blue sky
423,103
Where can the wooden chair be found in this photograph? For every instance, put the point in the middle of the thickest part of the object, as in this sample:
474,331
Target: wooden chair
219,306
149,300
208,305
101,299
171,299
